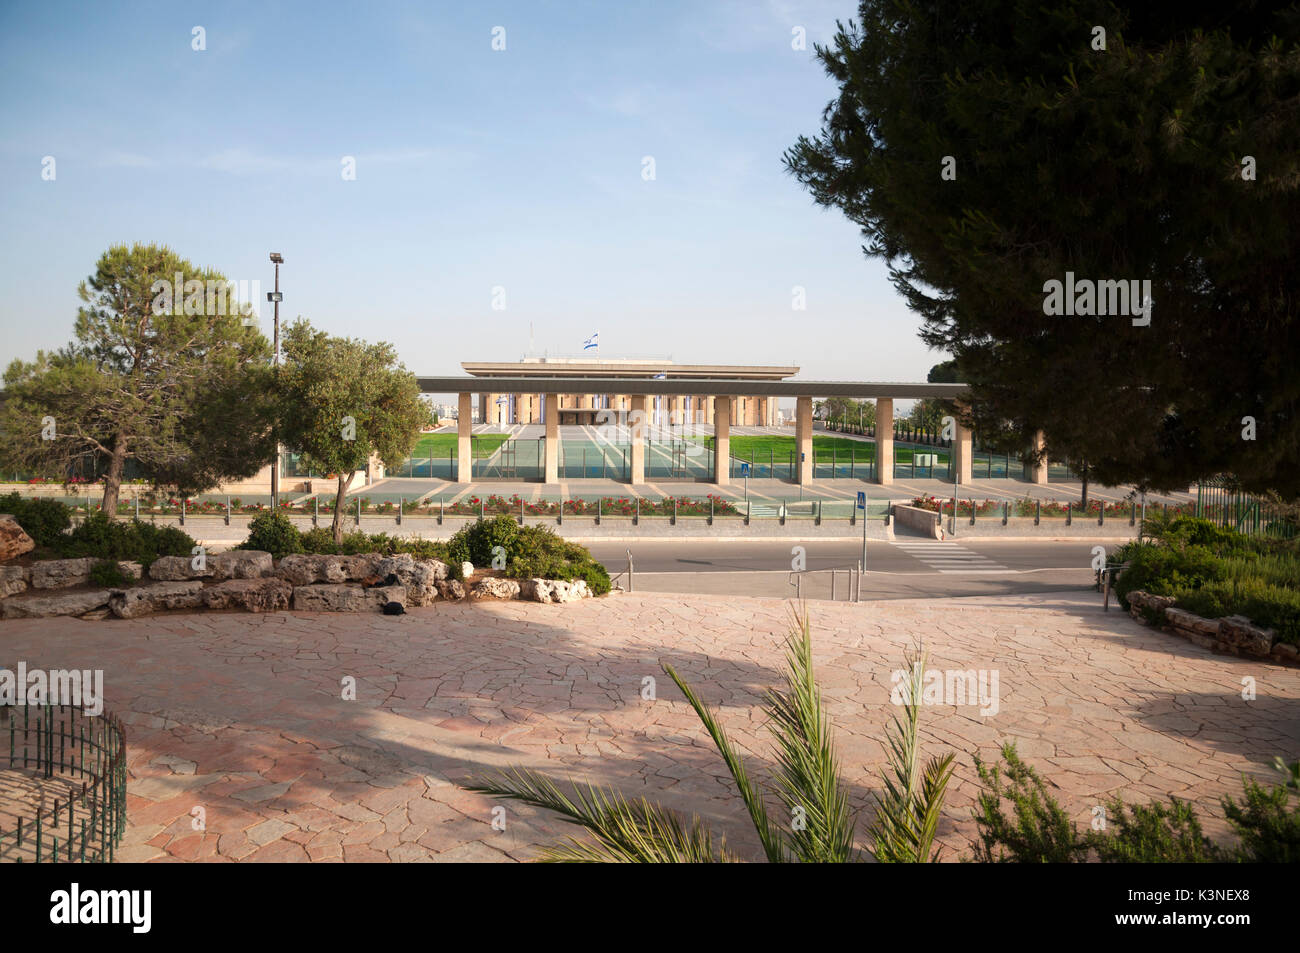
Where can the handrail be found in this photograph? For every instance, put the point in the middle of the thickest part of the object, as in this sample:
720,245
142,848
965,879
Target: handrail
795,579
627,572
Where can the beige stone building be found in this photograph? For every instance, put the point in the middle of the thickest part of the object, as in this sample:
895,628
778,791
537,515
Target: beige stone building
521,407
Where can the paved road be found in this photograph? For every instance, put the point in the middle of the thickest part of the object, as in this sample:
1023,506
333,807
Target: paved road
909,567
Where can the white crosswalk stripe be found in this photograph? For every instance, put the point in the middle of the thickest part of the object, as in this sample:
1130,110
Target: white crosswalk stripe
949,557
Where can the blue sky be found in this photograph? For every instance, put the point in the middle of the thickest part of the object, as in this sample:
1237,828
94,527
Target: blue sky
475,169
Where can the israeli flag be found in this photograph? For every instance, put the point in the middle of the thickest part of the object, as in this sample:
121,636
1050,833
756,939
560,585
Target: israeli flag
660,377
593,341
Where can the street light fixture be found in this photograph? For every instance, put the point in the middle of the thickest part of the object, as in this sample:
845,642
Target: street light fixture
276,297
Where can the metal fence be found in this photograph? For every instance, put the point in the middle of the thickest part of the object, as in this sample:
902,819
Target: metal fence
1227,505
63,785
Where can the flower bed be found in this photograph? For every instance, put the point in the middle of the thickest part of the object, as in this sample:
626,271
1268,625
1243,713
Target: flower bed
1026,507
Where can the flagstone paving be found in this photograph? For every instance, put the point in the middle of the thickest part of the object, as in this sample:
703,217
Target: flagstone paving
242,745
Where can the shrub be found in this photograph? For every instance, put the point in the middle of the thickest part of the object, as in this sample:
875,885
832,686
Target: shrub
1153,833
421,548
107,573
1162,571
475,543
1267,823
273,532
1184,531
121,540
41,519
318,540
1039,832
595,575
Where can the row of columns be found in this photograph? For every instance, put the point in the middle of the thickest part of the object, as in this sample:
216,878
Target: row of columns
722,411
748,412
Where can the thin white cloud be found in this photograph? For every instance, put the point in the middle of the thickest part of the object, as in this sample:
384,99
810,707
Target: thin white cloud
127,160
246,162
240,161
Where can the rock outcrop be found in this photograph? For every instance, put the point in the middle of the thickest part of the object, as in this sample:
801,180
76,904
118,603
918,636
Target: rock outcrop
341,597
34,606
494,587
13,580
142,600
240,564
175,568
554,590
14,542
269,594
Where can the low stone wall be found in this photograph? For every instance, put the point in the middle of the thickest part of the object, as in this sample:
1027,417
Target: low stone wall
925,522
254,582
1233,634
931,523
213,529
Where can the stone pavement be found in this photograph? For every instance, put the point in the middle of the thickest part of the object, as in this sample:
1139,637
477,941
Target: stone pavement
239,718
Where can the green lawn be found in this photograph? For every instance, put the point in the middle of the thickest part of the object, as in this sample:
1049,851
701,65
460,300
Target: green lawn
444,444
825,448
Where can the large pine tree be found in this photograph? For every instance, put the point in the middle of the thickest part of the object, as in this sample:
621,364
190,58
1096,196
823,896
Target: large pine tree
1171,155
177,381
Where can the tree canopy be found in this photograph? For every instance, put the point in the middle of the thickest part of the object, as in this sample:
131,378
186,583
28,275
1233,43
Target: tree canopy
343,400
990,147
177,382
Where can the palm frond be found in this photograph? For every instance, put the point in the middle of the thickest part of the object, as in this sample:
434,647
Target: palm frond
623,831
808,779
907,816
768,834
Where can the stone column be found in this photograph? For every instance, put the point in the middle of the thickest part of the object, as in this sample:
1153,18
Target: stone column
551,444
465,414
722,440
637,421
1038,471
803,440
962,448
884,440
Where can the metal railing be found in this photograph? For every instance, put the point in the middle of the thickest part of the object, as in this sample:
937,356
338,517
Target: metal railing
64,780
1222,503
627,572
852,573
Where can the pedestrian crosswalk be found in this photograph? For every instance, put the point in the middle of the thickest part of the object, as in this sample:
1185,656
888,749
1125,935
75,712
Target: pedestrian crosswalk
948,557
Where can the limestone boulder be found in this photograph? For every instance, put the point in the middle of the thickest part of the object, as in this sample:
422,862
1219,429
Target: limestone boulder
452,589
14,542
13,580
56,573
1147,608
493,587
240,564
131,570
341,597
175,568
34,606
364,566
554,590
419,576
1236,632
142,600
1192,624
466,569
268,594
307,569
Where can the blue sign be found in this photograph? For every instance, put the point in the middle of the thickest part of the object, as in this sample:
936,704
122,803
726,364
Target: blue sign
744,469
862,499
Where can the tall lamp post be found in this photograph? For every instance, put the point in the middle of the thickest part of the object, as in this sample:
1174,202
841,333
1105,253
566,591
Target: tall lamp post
275,297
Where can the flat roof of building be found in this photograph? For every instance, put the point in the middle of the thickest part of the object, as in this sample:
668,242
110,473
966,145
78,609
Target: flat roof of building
720,387
625,368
